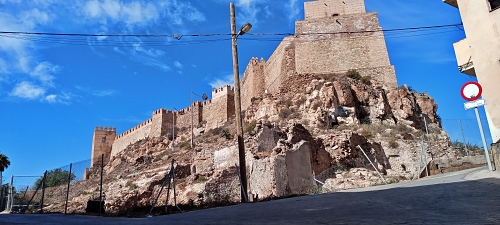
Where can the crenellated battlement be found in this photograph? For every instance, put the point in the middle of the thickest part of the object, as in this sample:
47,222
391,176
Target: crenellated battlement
222,91
304,53
188,109
207,102
145,123
330,8
160,111
105,128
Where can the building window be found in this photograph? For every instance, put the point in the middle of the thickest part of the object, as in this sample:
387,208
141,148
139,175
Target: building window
494,4
103,139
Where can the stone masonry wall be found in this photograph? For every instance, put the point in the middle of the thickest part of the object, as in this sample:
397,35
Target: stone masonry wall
215,112
327,8
183,116
162,123
274,66
337,44
220,109
137,133
252,83
101,144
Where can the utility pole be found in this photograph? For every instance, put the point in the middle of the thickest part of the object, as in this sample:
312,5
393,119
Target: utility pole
237,104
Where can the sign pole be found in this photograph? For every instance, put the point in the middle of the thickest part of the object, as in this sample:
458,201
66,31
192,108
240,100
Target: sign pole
471,91
484,141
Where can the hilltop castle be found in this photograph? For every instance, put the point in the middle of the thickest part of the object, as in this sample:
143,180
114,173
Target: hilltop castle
334,37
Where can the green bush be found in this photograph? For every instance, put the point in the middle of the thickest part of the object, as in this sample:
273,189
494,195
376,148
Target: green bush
225,133
353,74
251,126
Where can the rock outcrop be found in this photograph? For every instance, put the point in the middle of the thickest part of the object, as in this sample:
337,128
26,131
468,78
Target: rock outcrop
291,139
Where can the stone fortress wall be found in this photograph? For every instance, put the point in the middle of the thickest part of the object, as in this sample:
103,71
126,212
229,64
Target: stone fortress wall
214,112
336,35
102,144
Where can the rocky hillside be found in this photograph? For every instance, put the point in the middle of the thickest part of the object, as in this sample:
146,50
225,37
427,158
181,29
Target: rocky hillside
313,131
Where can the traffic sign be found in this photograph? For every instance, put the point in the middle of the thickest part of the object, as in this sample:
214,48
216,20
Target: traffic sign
471,91
474,104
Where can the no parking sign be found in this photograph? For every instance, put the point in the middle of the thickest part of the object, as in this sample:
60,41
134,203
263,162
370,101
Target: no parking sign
471,91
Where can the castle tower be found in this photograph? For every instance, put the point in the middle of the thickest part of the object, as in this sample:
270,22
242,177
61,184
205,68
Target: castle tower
221,107
328,8
253,83
101,144
339,35
334,37
161,123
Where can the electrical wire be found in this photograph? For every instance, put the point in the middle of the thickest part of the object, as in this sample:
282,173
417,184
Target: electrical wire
131,40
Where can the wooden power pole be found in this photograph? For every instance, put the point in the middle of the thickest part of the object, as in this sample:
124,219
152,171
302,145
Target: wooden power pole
237,106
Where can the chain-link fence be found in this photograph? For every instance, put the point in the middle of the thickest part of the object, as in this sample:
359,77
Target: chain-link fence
52,191
20,191
465,132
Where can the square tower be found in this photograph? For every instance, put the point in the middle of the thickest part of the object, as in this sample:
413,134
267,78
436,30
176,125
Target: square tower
328,8
101,144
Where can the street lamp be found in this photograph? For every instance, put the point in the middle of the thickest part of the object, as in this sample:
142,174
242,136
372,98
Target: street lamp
237,100
204,97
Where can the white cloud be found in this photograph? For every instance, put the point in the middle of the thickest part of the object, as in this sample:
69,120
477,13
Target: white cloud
131,13
177,12
252,11
219,82
178,64
34,17
150,52
3,67
51,98
98,93
102,93
293,10
63,98
27,90
44,72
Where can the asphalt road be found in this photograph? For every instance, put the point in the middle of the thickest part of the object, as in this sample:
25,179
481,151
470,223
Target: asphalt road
465,197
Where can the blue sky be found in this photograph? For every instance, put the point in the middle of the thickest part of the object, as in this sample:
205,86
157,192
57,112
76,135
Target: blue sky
55,90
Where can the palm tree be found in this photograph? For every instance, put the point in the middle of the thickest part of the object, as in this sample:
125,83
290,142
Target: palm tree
4,163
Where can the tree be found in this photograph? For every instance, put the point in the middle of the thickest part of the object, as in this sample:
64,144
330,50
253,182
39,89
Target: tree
4,163
55,177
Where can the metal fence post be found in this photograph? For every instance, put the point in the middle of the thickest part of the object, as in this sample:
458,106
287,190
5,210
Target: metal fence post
428,139
67,190
372,164
43,190
1,198
10,198
171,174
100,194
463,136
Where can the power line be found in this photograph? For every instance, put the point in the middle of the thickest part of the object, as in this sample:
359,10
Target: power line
219,34
125,40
